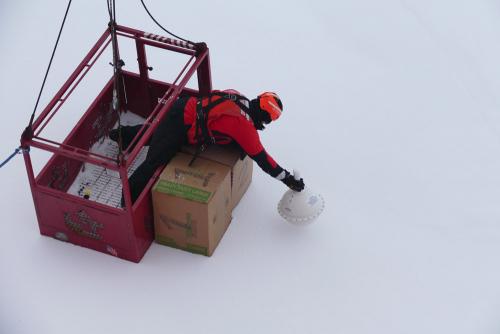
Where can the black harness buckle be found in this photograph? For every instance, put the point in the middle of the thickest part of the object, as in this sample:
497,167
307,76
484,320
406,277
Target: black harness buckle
231,97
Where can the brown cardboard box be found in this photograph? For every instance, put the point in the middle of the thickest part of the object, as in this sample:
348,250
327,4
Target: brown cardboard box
192,204
241,170
241,177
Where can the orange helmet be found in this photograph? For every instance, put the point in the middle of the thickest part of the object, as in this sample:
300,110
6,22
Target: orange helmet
271,104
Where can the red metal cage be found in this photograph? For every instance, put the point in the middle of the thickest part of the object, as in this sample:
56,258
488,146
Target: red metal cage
123,232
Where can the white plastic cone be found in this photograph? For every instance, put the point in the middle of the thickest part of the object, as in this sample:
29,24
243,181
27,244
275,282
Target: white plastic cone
301,208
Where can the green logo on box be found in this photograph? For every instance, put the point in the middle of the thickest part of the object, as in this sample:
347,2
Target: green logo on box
183,191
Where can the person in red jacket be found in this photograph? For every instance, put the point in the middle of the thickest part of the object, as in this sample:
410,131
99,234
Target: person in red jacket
224,117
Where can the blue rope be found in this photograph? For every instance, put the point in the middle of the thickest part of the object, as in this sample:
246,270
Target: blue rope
16,151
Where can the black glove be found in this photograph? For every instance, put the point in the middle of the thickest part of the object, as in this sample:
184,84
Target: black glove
295,185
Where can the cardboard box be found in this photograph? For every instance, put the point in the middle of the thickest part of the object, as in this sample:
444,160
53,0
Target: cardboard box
241,177
192,204
241,170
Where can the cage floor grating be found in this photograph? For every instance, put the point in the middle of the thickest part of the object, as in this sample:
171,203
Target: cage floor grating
98,183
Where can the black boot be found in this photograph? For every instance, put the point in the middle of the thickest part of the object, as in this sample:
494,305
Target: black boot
139,179
128,134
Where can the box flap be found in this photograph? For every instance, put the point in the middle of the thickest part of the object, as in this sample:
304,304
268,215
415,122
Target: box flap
197,182
227,155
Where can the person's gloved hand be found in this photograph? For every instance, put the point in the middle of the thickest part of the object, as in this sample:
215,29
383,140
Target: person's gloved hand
295,185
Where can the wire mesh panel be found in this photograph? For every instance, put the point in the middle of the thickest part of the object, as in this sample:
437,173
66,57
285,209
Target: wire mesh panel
102,185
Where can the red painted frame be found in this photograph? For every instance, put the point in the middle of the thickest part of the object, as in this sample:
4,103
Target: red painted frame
126,233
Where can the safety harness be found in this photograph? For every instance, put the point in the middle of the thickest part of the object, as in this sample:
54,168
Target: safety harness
203,136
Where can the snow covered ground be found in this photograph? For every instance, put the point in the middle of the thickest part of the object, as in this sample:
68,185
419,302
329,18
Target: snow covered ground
392,113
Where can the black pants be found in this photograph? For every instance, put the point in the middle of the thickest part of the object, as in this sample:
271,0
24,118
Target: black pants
165,142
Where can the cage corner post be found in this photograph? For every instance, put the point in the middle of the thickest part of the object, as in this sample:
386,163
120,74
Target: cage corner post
31,180
143,74
204,74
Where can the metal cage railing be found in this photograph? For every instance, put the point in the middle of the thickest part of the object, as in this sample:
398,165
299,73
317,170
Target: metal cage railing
123,232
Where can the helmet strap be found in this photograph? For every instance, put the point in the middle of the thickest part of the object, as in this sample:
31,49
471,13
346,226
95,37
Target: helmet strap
257,115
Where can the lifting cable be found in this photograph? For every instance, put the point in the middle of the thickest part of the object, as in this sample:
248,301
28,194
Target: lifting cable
28,128
117,65
28,131
159,25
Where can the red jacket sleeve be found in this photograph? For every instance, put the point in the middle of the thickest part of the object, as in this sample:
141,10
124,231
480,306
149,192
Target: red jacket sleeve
244,133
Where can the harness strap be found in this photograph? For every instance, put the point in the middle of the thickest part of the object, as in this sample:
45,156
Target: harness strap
236,98
202,114
203,137
199,149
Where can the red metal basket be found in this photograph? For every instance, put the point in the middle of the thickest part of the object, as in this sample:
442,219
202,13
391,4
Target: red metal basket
123,232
